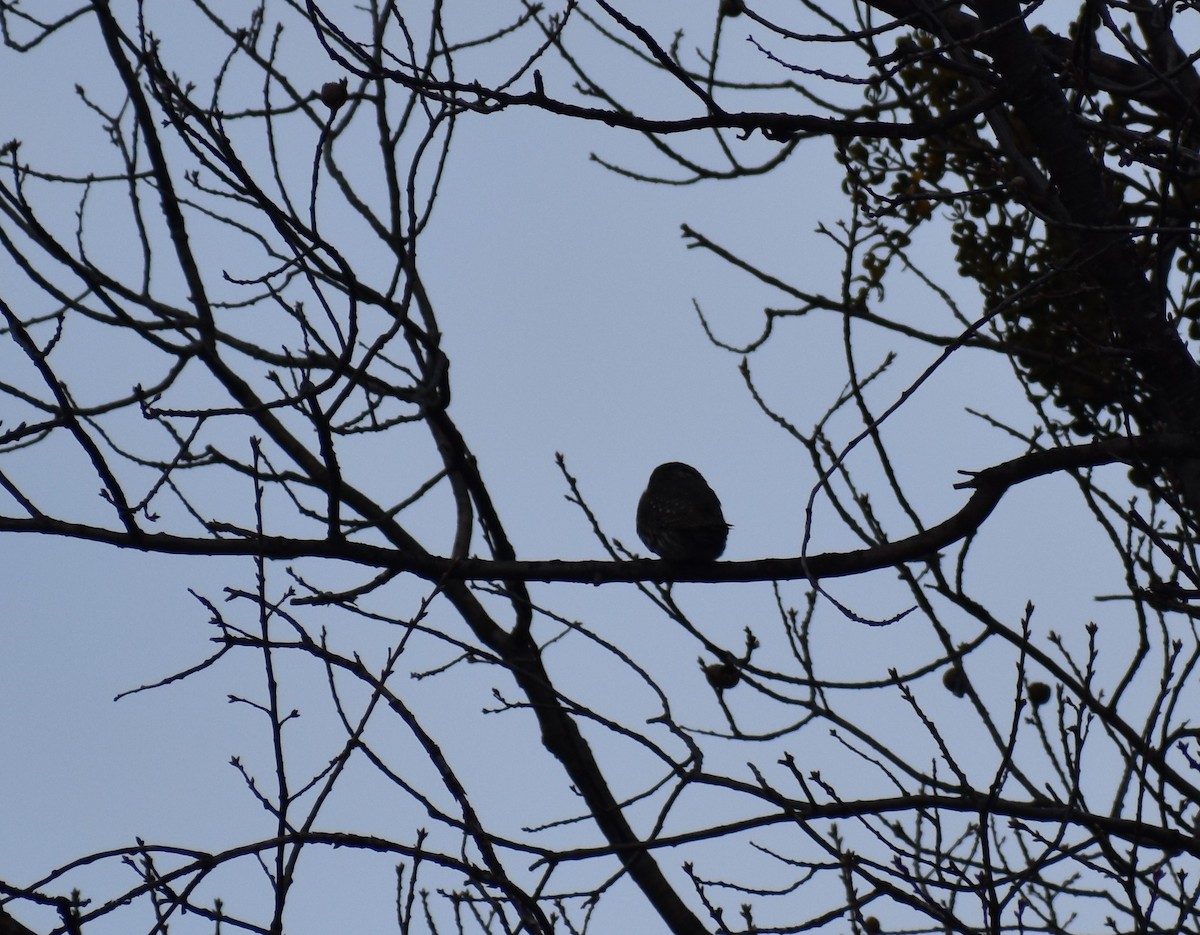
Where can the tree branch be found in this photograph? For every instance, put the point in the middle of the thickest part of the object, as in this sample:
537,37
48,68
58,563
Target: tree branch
989,487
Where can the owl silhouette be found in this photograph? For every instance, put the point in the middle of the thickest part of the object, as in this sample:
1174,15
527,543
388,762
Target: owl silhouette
679,517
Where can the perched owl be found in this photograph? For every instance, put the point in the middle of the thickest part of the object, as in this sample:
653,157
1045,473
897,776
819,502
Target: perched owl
679,517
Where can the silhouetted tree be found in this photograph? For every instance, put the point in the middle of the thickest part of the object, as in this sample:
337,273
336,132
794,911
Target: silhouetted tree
266,324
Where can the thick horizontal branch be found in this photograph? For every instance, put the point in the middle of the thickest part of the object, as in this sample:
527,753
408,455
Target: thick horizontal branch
774,125
989,486
476,97
1146,834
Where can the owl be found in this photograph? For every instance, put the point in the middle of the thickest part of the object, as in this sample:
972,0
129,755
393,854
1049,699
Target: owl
679,517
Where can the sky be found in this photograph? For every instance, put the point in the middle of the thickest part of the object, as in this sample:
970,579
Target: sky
567,299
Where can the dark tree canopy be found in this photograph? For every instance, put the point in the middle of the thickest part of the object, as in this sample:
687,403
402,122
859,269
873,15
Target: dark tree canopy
224,325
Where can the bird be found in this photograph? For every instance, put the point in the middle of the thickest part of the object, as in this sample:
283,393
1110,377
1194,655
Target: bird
679,517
